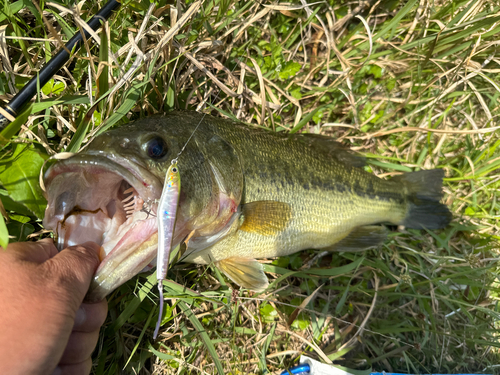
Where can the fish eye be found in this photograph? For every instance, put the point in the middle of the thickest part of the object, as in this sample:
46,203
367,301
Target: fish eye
174,170
156,148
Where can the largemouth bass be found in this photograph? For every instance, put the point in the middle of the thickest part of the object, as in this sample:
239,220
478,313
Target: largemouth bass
246,193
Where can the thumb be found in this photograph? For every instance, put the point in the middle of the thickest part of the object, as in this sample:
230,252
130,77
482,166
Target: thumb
72,270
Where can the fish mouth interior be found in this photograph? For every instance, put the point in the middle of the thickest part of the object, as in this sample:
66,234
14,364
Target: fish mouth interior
99,204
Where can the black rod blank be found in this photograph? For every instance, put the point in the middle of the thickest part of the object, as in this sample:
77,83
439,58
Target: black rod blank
54,64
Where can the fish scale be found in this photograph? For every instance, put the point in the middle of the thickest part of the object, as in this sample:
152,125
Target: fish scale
327,198
247,193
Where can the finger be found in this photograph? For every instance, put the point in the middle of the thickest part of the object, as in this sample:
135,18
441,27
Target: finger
82,368
37,252
71,271
80,346
90,316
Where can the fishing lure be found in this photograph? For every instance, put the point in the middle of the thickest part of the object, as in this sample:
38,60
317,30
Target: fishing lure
166,214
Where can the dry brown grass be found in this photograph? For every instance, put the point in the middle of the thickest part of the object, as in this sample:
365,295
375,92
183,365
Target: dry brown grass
410,86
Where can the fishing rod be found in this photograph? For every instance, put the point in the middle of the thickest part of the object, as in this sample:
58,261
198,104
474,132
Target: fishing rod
9,112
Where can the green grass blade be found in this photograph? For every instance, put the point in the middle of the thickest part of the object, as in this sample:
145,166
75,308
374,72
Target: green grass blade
138,342
4,233
204,336
134,303
265,348
131,98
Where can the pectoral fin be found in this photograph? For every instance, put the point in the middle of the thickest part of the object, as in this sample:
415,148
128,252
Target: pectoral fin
362,238
247,273
265,217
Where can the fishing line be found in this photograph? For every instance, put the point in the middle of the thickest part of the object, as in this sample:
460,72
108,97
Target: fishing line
147,209
176,159
191,136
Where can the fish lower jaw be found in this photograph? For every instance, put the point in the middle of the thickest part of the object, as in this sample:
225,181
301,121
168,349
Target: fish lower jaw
119,241
119,268
125,252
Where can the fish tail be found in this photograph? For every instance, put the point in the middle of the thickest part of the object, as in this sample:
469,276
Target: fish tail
424,192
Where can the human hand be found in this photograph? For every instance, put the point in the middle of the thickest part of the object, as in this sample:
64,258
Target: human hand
45,328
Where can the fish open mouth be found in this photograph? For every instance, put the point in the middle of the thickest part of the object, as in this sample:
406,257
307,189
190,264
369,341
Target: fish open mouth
110,202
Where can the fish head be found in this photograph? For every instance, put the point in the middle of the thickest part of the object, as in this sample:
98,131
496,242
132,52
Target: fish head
109,193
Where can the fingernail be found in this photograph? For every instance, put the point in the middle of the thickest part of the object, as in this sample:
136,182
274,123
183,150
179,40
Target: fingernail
80,317
57,371
102,253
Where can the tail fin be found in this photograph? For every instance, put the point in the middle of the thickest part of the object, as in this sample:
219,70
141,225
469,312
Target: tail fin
425,191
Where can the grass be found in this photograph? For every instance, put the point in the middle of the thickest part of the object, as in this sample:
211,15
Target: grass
412,85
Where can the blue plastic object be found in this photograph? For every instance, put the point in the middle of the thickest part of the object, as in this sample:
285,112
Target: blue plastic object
297,370
305,370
